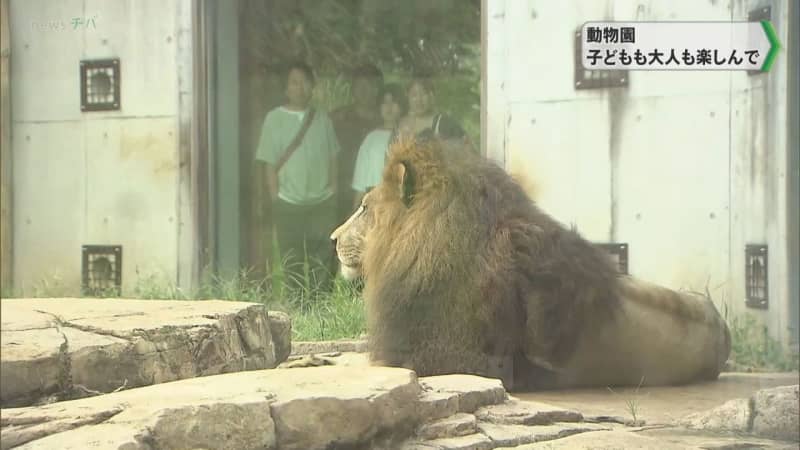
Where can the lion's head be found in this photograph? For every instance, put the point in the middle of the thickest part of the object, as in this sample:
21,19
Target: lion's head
421,239
405,209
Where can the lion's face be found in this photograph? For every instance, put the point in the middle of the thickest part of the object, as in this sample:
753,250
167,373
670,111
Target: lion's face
350,238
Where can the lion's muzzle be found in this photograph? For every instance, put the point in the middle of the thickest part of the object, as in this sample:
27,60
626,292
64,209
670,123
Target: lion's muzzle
348,240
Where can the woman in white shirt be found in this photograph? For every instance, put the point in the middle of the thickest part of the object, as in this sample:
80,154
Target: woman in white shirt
372,153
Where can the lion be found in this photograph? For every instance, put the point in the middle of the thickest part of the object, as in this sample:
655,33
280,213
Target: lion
463,273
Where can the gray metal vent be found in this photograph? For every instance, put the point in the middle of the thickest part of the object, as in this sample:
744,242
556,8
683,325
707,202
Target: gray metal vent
619,253
756,276
101,270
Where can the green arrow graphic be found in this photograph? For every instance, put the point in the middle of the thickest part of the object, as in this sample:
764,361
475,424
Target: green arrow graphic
775,45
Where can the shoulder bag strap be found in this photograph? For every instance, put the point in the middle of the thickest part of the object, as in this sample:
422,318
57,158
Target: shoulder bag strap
298,138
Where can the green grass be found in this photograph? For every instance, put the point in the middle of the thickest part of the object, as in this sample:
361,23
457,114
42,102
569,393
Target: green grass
753,349
335,315
316,314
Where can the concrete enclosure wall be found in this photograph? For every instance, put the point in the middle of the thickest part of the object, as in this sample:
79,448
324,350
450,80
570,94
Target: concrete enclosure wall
685,167
107,178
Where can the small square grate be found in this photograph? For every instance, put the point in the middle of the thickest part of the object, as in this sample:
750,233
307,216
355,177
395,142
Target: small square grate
618,253
101,270
100,81
756,276
595,79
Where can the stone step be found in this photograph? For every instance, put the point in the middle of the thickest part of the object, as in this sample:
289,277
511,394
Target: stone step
460,424
616,439
475,441
437,405
516,412
508,423
470,392
513,435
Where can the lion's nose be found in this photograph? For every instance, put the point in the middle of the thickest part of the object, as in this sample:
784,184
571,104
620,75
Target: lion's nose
335,235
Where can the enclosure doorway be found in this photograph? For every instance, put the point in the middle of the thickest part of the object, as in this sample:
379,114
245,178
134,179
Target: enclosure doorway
254,40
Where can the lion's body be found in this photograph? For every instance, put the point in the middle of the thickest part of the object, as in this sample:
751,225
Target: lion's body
463,273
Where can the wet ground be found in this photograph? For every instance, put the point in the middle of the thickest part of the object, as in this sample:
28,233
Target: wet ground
659,405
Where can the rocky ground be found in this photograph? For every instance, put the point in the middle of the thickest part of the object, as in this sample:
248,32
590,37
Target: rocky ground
199,375
56,349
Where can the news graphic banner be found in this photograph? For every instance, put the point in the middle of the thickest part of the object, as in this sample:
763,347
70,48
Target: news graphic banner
678,45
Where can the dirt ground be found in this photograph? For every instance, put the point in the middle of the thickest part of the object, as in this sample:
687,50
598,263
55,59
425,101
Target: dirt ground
661,405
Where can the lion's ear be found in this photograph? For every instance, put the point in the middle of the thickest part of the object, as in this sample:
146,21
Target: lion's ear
405,176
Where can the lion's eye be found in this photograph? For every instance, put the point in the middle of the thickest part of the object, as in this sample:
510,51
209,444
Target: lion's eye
362,208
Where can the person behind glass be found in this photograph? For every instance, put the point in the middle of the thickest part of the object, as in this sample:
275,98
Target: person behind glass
372,153
299,146
423,120
352,123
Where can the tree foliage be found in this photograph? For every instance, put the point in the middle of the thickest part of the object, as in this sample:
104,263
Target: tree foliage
438,36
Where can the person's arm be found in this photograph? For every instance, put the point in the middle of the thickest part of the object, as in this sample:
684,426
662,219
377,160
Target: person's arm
272,182
267,154
361,172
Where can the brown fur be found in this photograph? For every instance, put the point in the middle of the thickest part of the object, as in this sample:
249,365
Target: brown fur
462,270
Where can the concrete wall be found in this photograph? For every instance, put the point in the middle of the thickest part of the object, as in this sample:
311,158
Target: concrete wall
686,167
103,178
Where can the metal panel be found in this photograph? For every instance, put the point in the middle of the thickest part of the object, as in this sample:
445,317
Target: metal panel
49,212
191,109
793,177
6,220
542,68
142,34
760,204
496,55
672,185
48,43
751,168
561,151
46,52
131,184
108,177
